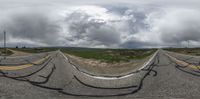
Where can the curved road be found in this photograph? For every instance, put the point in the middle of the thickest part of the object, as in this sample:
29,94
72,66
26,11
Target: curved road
57,79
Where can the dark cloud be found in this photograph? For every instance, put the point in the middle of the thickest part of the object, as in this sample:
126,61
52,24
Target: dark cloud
137,44
33,26
78,23
104,34
139,22
84,26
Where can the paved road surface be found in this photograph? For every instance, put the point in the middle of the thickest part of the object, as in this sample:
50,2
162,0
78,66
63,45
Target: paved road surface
56,78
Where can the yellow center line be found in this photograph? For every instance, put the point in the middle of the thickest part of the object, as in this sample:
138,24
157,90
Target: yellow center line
184,63
22,66
41,60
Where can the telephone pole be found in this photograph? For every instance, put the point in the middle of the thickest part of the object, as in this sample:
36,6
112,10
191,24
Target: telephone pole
5,49
188,43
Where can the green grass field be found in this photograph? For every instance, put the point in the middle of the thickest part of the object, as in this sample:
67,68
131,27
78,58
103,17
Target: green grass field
189,51
109,55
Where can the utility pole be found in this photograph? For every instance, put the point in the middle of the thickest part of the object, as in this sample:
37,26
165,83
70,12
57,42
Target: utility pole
5,49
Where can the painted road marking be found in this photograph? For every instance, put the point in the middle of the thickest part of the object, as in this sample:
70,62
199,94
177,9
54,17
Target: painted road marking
23,66
184,63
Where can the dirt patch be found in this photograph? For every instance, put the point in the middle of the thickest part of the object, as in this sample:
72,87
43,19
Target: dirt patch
98,67
19,53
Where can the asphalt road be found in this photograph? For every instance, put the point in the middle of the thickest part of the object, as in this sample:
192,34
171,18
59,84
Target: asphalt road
56,78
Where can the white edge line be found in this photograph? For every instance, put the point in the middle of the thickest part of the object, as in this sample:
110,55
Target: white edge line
112,78
146,63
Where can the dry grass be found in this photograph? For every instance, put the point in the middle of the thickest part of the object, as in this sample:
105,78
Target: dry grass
188,51
110,55
98,67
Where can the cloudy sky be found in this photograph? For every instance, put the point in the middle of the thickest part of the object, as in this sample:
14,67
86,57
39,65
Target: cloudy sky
101,23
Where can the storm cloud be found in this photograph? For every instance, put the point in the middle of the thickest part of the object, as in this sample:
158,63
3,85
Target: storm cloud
106,24
32,26
91,29
103,26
